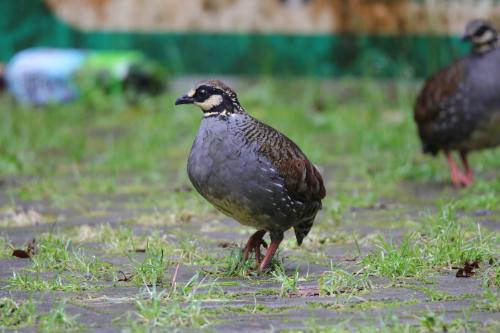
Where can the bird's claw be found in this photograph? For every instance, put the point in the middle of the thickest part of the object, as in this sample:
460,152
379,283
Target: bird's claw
459,179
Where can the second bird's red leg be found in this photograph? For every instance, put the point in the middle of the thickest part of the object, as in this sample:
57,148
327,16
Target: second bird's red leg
457,177
469,174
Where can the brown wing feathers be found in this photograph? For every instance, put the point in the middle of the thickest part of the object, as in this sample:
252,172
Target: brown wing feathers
302,179
439,98
437,89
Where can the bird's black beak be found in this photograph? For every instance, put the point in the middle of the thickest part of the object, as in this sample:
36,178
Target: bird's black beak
184,100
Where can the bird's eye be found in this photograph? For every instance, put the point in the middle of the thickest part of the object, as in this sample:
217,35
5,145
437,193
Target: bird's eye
481,31
202,93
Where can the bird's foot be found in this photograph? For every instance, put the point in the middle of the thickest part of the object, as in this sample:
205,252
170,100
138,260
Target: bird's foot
459,179
470,177
469,173
253,244
467,180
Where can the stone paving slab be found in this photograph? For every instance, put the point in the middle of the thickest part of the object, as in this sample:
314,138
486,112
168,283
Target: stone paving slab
251,303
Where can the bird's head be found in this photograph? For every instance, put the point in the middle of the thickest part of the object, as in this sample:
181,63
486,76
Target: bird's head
481,34
213,97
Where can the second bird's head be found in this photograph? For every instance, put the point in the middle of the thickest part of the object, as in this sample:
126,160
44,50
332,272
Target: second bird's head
481,34
213,97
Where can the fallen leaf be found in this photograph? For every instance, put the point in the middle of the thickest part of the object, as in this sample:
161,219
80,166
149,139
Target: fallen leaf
28,253
137,250
468,269
20,254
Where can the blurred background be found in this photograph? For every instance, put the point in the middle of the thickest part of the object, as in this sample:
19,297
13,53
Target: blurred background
322,38
129,43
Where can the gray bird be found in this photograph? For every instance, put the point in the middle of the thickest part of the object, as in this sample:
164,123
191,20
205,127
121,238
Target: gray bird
459,107
250,171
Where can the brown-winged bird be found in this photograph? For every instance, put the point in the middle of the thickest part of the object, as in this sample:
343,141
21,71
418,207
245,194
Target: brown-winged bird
250,171
458,108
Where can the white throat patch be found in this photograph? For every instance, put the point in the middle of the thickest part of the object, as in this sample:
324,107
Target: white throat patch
211,102
487,37
223,113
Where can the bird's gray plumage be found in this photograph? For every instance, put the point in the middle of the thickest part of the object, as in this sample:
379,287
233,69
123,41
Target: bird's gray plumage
229,167
250,171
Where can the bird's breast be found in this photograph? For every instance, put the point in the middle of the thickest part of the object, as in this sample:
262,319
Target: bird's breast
230,174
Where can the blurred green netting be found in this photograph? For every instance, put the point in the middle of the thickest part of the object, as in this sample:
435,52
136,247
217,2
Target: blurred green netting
28,23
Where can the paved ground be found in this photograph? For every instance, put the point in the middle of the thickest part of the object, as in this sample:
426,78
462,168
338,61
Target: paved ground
219,300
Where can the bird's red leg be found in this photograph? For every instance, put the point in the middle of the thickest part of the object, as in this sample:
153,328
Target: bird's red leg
271,250
258,257
253,242
457,177
257,254
469,174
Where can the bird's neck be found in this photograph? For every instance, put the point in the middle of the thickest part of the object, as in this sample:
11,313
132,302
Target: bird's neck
227,107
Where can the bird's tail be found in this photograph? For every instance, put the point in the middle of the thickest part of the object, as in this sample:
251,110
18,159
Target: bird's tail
302,229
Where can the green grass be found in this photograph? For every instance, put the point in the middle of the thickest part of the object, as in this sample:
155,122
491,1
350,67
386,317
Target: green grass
430,321
490,302
491,276
177,306
442,243
16,314
234,266
69,268
370,137
36,282
339,281
57,254
163,310
484,194
58,320
289,283
118,240
152,269
5,248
